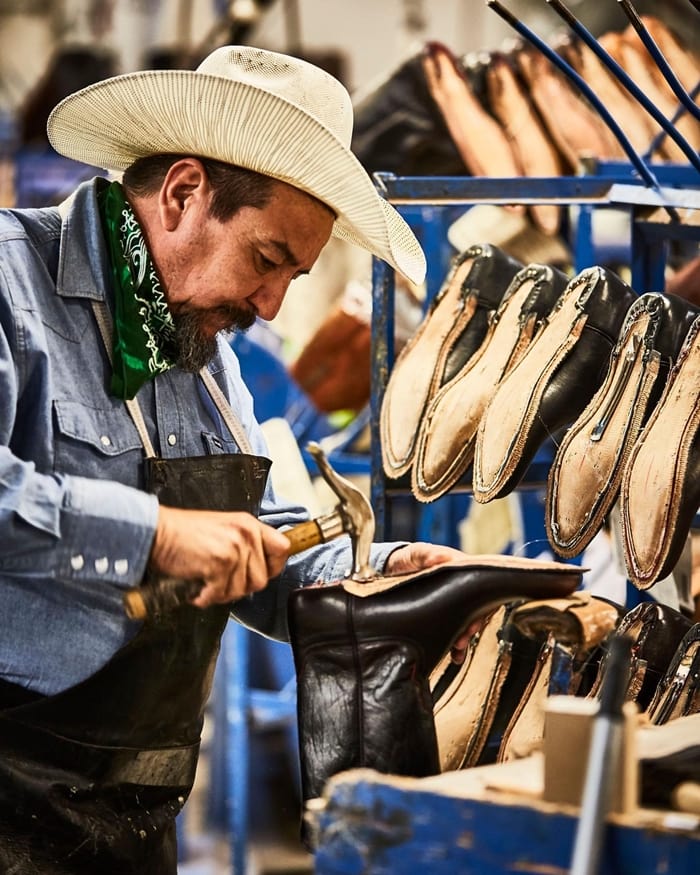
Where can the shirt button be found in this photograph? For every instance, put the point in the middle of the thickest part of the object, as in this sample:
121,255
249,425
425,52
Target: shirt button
101,565
172,439
121,566
77,562
105,441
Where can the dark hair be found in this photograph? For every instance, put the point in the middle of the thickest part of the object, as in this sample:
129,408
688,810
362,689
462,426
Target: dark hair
233,187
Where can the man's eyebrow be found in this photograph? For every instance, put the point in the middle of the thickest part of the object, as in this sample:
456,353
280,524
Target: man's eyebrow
286,253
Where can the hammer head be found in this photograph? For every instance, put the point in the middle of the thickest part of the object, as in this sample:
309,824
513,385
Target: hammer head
355,511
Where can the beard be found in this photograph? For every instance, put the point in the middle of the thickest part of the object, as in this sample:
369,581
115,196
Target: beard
196,347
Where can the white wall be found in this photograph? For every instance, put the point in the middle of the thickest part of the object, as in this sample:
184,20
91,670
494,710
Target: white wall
374,36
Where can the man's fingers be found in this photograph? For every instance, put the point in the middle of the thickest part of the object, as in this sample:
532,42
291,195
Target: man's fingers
276,546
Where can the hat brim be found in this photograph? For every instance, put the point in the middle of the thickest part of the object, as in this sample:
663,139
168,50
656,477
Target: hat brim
114,122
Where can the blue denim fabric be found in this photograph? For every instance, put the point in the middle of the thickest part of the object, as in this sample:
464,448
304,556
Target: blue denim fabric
76,526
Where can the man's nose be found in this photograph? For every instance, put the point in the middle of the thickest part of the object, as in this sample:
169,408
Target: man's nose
268,299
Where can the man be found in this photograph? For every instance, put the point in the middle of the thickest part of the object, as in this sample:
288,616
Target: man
128,442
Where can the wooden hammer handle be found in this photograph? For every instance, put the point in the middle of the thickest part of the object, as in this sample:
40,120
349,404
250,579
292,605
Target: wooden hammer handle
303,536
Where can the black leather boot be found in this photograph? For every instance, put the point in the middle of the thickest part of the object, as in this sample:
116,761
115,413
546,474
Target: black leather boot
656,631
584,480
452,331
364,652
660,491
552,383
445,442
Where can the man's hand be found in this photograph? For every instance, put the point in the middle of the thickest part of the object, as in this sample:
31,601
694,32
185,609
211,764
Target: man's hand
233,553
420,555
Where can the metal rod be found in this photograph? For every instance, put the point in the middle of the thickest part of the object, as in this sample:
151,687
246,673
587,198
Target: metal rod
658,139
611,188
644,171
659,59
604,758
382,345
625,80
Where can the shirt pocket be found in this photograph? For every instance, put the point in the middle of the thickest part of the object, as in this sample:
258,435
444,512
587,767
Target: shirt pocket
100,443
215,445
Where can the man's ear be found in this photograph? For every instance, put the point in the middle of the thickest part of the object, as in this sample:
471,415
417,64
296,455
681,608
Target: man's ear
186,186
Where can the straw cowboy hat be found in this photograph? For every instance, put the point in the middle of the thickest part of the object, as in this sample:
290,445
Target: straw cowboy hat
268,112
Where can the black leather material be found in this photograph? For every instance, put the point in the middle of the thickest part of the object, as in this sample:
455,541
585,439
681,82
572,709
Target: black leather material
91,779
678,692
489,280
660,776
604,298
453,328
363,662
656,631
565,637
445,443
585,477
550,282
667,455
524,650
399,129
677,318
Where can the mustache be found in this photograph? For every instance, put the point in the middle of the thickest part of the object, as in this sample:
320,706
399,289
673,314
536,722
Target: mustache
195,345
234,316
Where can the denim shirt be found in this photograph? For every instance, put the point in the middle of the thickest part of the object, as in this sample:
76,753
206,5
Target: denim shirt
76,525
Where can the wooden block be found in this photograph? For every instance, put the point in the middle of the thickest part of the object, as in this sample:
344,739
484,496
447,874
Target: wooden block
567,732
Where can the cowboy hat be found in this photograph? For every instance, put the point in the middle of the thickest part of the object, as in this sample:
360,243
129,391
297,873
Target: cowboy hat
268,112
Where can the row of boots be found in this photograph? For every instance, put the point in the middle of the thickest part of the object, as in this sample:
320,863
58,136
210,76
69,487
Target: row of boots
509,357
377,688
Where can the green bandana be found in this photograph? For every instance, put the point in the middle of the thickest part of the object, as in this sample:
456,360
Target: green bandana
144,332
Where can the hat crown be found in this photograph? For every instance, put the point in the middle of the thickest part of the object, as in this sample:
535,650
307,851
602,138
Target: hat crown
304,85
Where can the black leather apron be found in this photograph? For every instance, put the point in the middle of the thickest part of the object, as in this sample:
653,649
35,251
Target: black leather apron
91,779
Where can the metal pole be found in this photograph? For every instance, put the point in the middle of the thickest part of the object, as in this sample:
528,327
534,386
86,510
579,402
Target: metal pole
603,760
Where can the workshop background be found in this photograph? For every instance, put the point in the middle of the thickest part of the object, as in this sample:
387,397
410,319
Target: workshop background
245,804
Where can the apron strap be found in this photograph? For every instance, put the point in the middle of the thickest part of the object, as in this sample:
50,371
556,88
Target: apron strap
232,422
132,405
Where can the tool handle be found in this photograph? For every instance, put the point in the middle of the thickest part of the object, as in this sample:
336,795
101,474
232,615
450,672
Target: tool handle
159,596
167,593
303,536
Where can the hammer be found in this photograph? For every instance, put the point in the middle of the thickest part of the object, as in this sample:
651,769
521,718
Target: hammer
352,515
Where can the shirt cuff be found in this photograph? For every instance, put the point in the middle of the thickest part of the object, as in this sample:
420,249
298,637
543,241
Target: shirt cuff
107,530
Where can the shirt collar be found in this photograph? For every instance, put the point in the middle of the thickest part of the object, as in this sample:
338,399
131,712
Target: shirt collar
83,264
